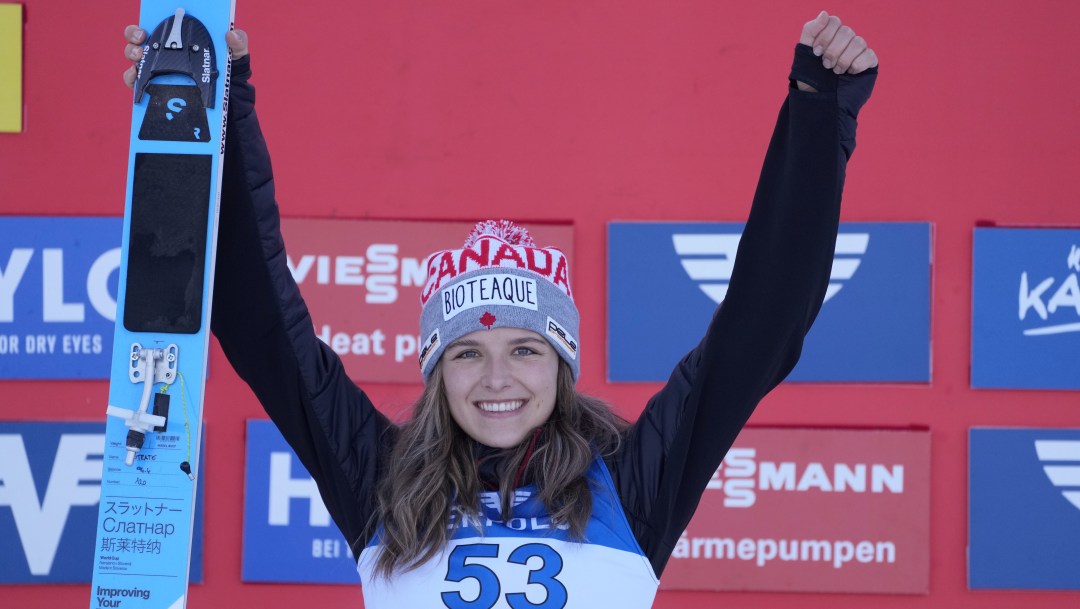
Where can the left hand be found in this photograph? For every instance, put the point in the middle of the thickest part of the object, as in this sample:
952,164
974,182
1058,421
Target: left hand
840,49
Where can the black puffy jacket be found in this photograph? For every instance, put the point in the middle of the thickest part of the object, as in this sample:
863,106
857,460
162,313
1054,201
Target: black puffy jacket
671,452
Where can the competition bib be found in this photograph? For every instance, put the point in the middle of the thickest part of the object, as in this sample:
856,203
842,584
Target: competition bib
524,562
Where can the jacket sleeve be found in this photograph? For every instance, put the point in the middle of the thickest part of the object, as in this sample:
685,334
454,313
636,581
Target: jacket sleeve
755,337
265,330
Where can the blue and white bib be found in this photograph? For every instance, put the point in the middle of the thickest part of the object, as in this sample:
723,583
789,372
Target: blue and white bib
525,562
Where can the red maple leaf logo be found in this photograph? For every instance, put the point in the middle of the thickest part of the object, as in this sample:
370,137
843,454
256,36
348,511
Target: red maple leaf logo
487,320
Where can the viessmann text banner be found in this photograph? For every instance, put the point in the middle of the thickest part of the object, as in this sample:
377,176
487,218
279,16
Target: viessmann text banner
812,510
362,281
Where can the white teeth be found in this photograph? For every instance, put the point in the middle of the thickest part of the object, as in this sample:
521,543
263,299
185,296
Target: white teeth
500,406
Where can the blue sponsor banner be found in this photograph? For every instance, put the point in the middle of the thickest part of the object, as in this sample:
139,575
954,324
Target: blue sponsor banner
50,487
1026,309
288,534
666,279
1024,509
58,285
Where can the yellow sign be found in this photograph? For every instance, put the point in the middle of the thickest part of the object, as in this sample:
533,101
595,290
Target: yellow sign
11,49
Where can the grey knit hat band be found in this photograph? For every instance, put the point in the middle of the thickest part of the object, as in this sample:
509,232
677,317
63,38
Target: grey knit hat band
498,297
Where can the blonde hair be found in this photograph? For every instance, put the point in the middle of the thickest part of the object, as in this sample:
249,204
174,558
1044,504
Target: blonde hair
432,470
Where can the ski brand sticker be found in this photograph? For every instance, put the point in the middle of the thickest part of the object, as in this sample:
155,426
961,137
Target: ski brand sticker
563,338
429,347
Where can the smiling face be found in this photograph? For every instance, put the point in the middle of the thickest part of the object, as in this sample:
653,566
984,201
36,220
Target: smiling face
500,384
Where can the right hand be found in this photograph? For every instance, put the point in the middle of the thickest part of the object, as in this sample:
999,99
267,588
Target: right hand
136,36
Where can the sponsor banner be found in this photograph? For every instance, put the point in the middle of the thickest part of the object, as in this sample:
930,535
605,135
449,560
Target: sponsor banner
874,325
1024,509
58,281
362,280
1026,309
50,487
288,533
812,510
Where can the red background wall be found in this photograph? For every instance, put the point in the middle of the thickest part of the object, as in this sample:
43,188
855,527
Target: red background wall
590,111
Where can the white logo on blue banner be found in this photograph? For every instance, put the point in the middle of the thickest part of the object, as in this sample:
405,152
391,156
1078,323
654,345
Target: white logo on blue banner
50,486
1024,509
1061,460
288,534
58,285
710,259
875,325
1026,309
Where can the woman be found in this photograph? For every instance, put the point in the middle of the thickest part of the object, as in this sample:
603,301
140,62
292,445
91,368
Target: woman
507,487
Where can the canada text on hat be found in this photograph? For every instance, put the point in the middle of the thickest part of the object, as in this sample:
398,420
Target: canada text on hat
496,244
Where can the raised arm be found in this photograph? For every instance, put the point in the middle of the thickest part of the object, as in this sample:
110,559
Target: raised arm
777,287
265,330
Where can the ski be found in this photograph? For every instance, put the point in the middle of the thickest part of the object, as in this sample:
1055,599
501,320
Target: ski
156,388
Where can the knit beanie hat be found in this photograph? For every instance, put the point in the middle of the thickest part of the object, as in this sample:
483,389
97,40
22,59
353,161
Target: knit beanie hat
498,279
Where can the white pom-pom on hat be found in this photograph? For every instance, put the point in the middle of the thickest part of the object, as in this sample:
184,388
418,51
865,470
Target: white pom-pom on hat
504,230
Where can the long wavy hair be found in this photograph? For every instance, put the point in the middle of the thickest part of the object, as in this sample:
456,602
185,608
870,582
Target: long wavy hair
433,470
